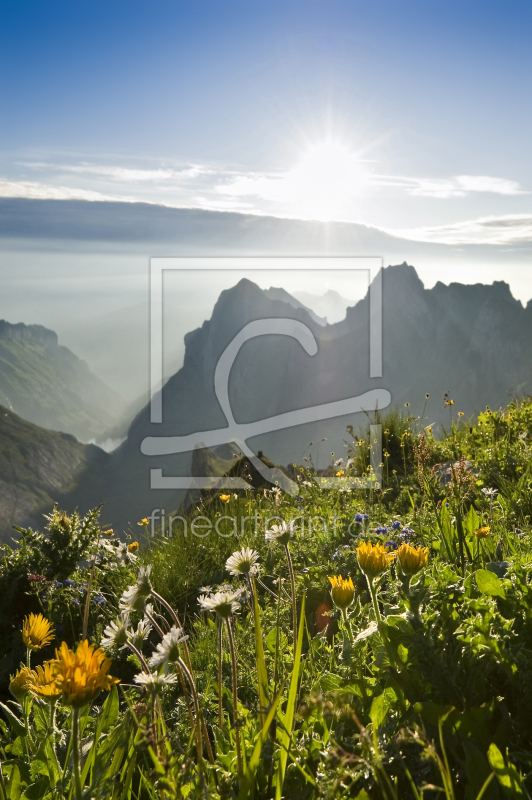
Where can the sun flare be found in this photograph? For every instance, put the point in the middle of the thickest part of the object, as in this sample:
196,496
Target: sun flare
326,180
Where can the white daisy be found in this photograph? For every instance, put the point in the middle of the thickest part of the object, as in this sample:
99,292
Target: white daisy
280,533
168,649
134,598
242,561
224,603
116,633
139,636
154,682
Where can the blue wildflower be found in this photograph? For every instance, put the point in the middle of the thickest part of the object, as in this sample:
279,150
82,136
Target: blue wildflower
406,533
392,543
381,530
68,582
361,517
75,601
99,600
58,585
396,525
336,555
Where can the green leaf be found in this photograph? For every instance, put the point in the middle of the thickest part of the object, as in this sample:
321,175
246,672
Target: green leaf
14,721
489,583
507,775
272,638
378,710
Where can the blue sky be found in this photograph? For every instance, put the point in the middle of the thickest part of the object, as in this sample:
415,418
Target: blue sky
409,116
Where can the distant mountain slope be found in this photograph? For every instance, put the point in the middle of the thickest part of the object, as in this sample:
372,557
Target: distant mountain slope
40,467
49,386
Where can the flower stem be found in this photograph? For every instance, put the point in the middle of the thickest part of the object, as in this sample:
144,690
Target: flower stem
347,625
293,585
75,752
235,700
378,619
220,709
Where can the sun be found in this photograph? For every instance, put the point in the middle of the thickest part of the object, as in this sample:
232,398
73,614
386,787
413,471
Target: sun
326,181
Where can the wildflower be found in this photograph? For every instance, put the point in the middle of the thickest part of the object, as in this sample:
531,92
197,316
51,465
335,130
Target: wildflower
449,402
206,589
155,683
144,522
134,598
406,533
36,631
427,396
116,633
242,561
481,533
99,600
58,585
139,636
412,559
373,559
340,473
392,544
19,685
225,498
75,600
109,532
69,583
381,530
36,578
42,682
133,547
280,533
460,413
168,649
224,603
396,525
125,555
342,591
82,674
361,517
429,428
491,493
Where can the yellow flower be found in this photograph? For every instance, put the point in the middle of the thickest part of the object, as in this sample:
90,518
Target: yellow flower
42,681
144,522
374,559
449,402
111,532
412,559
460,413
19,683
342,591
83,674
481,533
429,428
36,631
340,473
225,498
133,546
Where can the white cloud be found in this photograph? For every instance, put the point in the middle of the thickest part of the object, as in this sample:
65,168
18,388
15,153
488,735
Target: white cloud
458,186
40,191
504,230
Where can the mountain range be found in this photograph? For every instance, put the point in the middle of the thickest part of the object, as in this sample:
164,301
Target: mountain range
474,341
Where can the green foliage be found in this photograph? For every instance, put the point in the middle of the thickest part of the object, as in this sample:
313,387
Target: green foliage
423,689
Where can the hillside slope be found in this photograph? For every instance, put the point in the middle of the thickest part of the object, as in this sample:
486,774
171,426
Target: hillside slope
40,467
48,385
